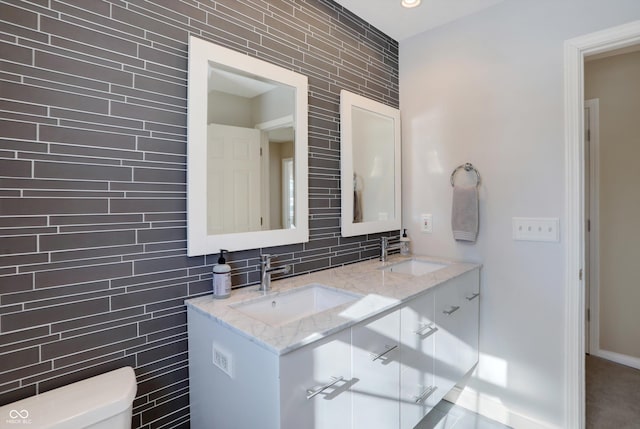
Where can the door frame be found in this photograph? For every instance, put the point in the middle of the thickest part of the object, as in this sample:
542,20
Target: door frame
592,195
287,174
575,50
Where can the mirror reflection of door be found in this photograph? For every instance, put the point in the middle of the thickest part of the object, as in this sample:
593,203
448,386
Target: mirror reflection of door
233,179
251,129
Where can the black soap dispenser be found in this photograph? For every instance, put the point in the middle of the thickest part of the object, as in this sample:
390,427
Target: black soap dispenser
221,278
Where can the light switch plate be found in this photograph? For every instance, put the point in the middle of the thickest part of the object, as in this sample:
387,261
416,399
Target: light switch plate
536,229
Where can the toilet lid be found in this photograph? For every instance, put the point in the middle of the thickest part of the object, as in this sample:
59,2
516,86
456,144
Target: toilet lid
77,405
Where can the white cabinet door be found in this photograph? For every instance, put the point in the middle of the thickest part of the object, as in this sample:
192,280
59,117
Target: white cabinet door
448,312
376,367
418,392
314,385
470,312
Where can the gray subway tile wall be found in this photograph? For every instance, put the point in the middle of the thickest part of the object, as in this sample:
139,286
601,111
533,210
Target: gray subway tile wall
93,265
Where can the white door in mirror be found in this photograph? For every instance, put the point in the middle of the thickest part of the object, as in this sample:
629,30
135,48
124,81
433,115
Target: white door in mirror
233,179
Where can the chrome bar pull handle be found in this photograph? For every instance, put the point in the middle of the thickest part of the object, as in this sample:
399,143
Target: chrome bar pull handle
451,310
378,356
472,296
311,393
424,395
426,330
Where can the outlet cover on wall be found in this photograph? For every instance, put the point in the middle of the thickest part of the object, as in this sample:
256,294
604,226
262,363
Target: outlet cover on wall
536,229
426,223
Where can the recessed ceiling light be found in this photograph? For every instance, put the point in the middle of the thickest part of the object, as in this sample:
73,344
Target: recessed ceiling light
410,3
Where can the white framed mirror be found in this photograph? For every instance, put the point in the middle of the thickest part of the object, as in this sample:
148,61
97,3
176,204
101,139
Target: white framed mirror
370,166
246,152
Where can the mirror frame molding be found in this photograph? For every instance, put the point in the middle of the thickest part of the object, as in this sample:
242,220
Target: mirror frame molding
201,52
348,100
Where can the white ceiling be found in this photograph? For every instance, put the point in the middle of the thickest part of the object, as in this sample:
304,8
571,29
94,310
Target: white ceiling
236,84
401,23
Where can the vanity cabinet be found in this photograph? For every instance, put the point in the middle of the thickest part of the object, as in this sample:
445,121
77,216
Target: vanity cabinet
384,372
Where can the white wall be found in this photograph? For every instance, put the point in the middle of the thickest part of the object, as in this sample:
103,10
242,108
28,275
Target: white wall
275,104
373,161
227,109
488,89
615,81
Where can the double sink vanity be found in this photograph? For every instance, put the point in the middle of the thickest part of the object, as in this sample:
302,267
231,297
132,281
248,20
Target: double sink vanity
367,345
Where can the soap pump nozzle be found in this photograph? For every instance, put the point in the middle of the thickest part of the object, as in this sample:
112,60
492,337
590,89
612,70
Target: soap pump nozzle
221,259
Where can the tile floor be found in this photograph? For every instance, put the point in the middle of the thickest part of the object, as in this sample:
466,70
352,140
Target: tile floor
447,415
612,396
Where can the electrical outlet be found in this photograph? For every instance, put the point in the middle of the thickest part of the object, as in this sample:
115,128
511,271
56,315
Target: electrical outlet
536,229
426,223
223,360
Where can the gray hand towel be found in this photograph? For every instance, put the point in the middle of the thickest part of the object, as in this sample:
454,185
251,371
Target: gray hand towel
464,213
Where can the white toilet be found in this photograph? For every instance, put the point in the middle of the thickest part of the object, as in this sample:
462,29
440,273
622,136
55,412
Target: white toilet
101,402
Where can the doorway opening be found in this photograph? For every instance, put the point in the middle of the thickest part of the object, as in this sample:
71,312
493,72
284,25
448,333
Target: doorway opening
612,205
576,50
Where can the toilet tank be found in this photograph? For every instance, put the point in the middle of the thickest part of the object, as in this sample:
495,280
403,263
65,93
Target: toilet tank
101,402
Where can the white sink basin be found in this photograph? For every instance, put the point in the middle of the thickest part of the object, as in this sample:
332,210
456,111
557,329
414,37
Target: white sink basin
415,267
282,308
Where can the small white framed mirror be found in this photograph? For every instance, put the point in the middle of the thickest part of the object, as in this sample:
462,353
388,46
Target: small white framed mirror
246,152
370,166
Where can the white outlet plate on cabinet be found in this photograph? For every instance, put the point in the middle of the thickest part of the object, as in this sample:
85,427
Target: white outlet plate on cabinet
536,229
222,359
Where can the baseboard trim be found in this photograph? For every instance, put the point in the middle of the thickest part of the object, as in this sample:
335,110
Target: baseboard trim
492,408
626,360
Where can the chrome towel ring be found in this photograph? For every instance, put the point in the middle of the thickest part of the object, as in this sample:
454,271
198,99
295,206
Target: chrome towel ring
467,167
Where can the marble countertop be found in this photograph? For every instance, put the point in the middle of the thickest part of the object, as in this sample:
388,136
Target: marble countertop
381,291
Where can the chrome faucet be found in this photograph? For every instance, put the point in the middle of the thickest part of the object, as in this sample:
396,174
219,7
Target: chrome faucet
266,270
385,247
